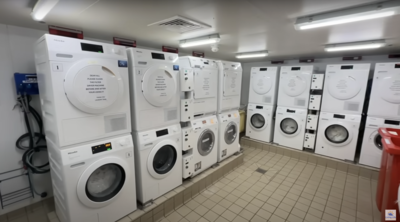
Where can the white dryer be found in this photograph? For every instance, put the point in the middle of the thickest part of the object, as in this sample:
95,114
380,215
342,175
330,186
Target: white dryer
371,151
205,82
385,94
294,86
84,89
230,85
263,85
260,122
94,182
338,135
290,127
154,87
158,155
229,123
345,87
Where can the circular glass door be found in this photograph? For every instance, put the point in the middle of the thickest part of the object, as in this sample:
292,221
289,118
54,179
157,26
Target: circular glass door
230,133
378,141
164,159
289,126
159,86
105,182
257,121
336,134
206,142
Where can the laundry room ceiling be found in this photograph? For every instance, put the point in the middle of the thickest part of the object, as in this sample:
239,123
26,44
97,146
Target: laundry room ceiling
244,25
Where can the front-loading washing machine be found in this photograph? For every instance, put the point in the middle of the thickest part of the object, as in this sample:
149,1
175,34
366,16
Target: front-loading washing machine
158,155
263,85
294,86
344,88
95,181
385,97
260,122
371,150
84,89
290,127
230,85
205,84
337,135
154,87
229,123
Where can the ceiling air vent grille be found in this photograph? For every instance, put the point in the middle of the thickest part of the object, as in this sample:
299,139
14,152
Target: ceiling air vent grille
180,24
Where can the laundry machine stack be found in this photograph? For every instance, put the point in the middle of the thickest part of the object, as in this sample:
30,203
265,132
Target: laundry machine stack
84,96
229,89
155,106
199,99
383,111
262,103
293,101
341,110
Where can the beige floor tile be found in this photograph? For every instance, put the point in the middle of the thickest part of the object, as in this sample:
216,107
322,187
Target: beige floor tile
281,213
239,219
218,209
301,206
209,204
315,212
201,210
235,208
257,218
252,208
269,207
293,218
174,216
216,198
202,220
211,216
273,202
192,204
229,215
225,203
193,216
264,214
329,218
246,214
347,217
299,213
275,218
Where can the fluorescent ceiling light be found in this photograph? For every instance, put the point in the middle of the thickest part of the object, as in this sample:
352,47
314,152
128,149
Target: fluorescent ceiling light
362,13
355,46
42,8
205,40
251,55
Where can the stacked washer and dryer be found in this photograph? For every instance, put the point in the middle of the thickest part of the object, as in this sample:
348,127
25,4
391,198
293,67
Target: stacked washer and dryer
84,96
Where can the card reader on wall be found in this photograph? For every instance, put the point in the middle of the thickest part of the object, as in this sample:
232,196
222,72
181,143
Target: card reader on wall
26,83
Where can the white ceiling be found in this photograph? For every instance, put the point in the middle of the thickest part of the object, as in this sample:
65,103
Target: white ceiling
244,25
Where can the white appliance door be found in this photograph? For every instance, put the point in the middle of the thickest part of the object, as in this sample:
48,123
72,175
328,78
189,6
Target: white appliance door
159,85
343,86
289,126
162,159
230,133
376,139
294,85
206,142
232,83
261,84
389,88
205,84
258,121
337,134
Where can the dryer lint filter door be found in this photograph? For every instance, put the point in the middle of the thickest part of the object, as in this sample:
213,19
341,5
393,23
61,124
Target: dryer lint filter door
159,86
389,89
261,84
205,84
294,85
231,83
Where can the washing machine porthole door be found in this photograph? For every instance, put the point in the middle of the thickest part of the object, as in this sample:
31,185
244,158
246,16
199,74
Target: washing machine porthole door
206,142
105,182
336,134
164,160
378,141
289,126
230,133
257,121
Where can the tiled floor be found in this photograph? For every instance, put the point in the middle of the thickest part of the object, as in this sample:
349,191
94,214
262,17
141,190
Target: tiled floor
290,190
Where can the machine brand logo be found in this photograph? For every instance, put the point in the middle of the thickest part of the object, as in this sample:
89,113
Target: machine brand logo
176,67
390,215
122,63
58,40
72,152
139,51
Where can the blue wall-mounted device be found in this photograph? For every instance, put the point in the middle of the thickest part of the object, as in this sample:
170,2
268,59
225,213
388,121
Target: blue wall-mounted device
26,83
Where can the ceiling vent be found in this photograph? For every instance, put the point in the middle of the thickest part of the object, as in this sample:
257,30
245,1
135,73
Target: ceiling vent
180,24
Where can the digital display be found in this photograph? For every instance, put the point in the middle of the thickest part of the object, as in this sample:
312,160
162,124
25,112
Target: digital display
263,69
392,122
204,121
157,56
229,115
338,116
346,67
206,63
162,132
295,68
92,48
259,107
101,148
291,111
397,66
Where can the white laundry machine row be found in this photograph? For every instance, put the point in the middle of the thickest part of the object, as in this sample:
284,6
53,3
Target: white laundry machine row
294,86
385,98
290,127
345,88
154,88
158,155
228,145
263,88
84,89
200,145
229,85
371,151
94,182
260,122
338,135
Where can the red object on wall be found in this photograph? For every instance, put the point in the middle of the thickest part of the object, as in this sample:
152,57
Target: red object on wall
198,54
277,62
169,49
306,60
124,42
352,58
72,33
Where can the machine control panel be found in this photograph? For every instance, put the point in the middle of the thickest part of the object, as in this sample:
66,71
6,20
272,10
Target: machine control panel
317,82
188,165
187,110
187,82
309,141
312,122
315,102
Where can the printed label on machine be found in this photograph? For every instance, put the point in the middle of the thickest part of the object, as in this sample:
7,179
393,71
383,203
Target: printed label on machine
96,88
162,84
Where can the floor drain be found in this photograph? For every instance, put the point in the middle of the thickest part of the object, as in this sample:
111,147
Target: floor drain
262,171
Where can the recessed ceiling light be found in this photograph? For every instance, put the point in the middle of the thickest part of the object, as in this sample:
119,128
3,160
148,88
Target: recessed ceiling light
42,8
355,46
205,40
251,54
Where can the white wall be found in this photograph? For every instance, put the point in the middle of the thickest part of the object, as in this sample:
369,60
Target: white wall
320,65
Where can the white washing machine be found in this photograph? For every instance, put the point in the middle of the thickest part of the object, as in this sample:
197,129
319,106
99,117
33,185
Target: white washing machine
229,123
294,86
154,87
205,82
290,127
84,89
338,135
385,96
230,85
204,154
158,155
94,182
371,151
263,85
345,87
260,122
